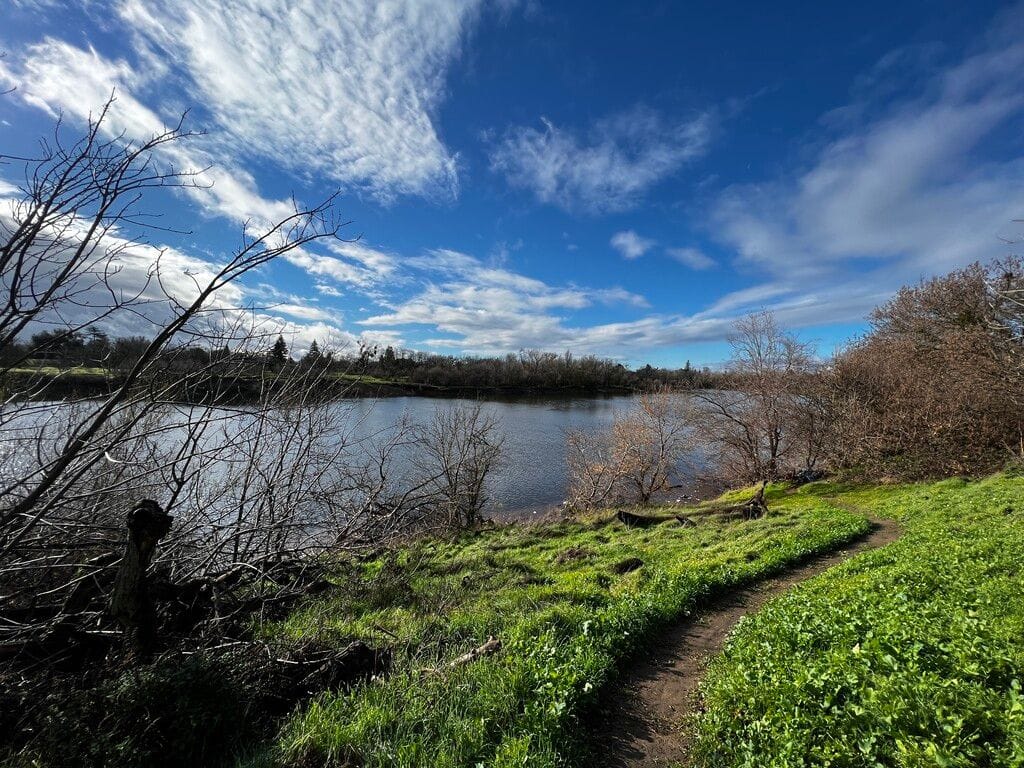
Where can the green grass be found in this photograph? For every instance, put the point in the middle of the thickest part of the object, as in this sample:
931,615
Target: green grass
363,378
912,655
566,616
50,370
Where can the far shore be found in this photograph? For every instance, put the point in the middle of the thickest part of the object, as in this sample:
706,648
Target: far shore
59,384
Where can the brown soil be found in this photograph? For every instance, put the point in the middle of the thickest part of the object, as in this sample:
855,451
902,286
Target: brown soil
646,723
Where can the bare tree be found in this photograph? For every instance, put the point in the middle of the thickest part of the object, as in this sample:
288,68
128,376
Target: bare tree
456,451
633,460
74,469
762,425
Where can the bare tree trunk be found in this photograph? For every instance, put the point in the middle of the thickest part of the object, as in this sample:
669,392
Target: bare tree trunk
130,602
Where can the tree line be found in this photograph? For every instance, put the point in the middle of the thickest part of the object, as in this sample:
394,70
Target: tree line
68,348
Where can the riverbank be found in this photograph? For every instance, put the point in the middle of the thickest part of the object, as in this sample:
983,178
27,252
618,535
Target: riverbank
497,642
495,647
567,602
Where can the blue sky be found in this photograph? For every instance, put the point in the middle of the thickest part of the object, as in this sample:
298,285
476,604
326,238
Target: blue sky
618,178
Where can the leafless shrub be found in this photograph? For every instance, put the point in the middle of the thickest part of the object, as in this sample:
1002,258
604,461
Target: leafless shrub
253,488
633,460
455,453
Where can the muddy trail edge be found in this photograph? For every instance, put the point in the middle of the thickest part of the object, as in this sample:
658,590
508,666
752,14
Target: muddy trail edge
643,722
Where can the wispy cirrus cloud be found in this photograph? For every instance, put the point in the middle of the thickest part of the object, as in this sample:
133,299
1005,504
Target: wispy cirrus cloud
346,92
608,168
897,188
694,258
63,79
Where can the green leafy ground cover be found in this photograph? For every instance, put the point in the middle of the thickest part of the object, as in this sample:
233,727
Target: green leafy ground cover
564,604
912,655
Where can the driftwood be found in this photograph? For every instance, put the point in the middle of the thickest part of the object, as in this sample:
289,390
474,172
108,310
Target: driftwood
130,601
753,508
491,647
632,520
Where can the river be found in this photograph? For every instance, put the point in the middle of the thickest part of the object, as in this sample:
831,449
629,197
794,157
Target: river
530,479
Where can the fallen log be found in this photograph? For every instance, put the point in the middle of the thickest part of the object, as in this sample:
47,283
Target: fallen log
491,647
632,520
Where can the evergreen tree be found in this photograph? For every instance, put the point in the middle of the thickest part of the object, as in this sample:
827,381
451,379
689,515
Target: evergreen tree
279,353
313,354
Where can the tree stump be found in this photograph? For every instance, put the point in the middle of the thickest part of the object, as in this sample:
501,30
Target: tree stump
130,601
755,507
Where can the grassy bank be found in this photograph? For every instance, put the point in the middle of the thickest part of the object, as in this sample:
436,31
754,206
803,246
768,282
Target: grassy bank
908,656
569,602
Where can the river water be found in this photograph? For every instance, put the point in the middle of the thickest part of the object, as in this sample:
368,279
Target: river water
532,475
531,479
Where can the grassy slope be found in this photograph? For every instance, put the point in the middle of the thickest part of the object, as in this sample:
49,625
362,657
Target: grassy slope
565,624
908,656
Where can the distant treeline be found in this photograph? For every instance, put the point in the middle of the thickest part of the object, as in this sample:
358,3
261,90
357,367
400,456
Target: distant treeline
82,359
527,370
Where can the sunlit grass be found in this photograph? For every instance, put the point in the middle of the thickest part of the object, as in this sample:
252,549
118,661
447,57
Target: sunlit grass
566,614
908,656
50,370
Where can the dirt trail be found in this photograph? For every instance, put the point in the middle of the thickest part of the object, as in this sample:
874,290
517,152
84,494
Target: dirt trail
645,724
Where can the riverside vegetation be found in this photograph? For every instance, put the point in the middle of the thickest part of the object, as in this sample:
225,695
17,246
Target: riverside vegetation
905,656
568,602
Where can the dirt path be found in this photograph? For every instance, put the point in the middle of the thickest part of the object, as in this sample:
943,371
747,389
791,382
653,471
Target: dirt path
644,725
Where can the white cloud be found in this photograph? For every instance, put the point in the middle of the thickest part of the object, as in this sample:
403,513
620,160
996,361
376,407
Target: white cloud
630,244
610,168
492,309
349,93
306,312
691,257
153,282
347,90
60,78
328,290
